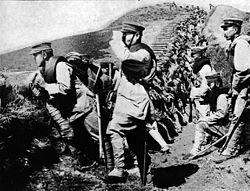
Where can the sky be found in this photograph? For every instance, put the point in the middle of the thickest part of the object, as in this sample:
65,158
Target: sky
24,23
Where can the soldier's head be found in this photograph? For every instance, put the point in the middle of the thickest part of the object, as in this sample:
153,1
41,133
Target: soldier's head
214,81
42,53
131,33
105,67
231,27
197,51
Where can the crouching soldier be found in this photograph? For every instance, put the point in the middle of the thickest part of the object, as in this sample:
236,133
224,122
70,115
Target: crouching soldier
69,102
216,123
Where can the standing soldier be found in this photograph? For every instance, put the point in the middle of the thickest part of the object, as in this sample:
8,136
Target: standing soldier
239,54
132,108
69,102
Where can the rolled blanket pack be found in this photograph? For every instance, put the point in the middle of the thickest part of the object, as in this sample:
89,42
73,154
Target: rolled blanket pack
134,69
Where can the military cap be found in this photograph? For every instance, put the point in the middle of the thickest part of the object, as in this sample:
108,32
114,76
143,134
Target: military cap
104,64
40,47
133,27
198,49
233,21
73,56
213,78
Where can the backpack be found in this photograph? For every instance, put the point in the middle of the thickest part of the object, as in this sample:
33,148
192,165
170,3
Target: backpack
78,69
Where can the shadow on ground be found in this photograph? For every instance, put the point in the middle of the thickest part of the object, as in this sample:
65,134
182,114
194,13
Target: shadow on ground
172,175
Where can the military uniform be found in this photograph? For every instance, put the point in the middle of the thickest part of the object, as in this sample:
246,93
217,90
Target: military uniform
132,107
239,54
201,68
216,122
69,100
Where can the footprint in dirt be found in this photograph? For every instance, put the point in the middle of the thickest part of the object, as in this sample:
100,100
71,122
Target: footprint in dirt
172,175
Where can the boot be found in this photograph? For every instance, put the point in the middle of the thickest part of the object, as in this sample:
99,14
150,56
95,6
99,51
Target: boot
157,137
109,155
116,176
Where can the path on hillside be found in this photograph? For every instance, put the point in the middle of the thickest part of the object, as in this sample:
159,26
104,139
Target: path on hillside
167,32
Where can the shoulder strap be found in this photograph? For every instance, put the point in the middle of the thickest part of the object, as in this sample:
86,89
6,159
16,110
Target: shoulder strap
241,37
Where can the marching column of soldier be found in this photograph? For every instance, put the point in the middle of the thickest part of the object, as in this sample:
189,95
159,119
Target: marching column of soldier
142,93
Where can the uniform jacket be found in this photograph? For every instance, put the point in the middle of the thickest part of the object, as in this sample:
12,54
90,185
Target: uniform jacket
218,102
67,93
132,99
239,51
202,68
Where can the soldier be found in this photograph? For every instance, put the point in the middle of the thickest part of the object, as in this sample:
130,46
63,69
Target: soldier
216,122
201,68
239,54
133,105
106,76
69,102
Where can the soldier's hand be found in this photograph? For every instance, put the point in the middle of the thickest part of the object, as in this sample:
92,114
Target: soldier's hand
35,90
38,91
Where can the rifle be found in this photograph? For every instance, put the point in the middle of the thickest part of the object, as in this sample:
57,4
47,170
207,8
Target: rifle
210,146
230,134
190,118
232,129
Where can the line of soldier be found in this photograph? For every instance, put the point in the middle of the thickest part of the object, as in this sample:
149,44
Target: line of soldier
133,109
211,99
58,79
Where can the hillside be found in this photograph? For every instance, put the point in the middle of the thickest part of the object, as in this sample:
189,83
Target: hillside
96,44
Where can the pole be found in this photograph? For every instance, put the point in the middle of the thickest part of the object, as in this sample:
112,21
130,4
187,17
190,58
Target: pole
144,173
99,127
190,118
98,75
